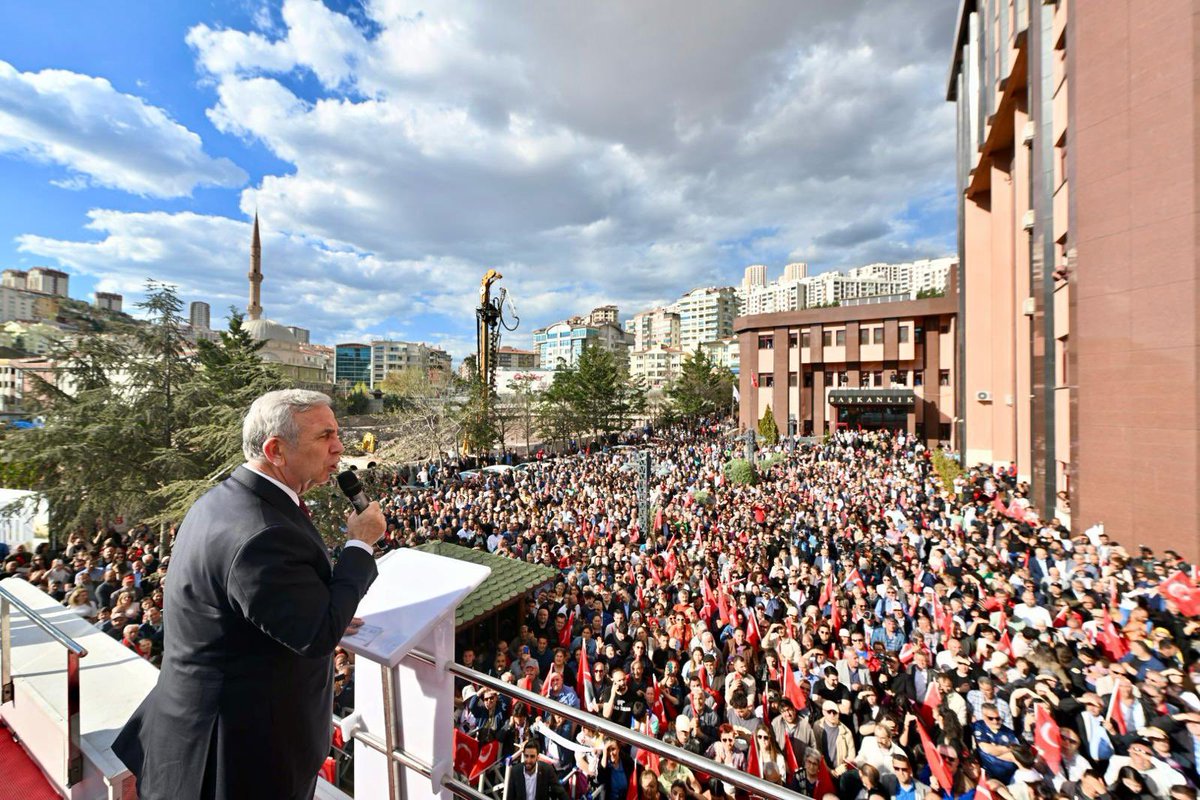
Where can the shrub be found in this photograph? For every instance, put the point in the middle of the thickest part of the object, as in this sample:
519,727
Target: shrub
740,472
947,469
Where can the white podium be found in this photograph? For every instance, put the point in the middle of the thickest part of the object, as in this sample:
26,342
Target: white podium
408,703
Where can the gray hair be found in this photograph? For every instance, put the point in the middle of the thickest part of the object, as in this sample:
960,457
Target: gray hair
274,414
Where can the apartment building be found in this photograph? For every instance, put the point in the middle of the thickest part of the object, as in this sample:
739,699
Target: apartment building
392,356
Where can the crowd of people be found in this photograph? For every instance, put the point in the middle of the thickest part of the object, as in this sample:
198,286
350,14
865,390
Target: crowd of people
845,626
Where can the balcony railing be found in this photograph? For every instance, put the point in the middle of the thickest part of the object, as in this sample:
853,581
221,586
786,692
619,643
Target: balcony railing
397,756
75,651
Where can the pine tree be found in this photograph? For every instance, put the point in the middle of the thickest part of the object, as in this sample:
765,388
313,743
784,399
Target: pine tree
767,427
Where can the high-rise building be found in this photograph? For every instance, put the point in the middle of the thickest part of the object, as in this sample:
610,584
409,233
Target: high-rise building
393,356
755,275
352,365
656,366
705,314
561,344
108,301
48,281
1080,258
795,271
603,315
198,316
789,293
652,328
15,279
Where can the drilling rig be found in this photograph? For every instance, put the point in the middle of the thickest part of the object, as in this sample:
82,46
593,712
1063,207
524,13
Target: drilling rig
489,318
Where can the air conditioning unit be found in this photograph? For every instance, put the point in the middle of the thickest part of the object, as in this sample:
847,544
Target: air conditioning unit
983,396
1029,219
1028,306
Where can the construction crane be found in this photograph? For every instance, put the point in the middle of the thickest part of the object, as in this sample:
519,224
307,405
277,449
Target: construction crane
489,318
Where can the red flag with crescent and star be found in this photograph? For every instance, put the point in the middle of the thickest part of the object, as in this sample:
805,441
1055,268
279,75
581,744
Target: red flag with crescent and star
1180,591
1047,739
466,752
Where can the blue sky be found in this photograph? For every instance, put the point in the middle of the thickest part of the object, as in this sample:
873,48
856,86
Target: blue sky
599,153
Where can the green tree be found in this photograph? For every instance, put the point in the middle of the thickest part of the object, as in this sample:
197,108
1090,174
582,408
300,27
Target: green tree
230,375
556,412
703,388
112,421
603,396
767,427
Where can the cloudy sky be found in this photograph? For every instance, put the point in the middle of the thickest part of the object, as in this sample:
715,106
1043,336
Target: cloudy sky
594,152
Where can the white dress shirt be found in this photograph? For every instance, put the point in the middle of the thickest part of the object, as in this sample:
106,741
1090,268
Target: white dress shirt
296,499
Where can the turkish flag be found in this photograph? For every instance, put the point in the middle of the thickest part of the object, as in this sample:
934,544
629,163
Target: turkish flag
753,638
632,791
329,770
791,688
1116,710
826,592
835,617
753,765
488,755
825,782
856,577
933,699
1179,590
466,752
564,636
1111,640
984,790
937,766
1047,739
789,756
583,679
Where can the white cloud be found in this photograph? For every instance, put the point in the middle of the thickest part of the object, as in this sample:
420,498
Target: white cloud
610,152
103,137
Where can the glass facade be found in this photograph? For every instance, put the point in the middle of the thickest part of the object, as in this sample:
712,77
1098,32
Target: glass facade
352,364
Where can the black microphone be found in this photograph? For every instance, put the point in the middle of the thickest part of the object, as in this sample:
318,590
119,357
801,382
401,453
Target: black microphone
351,486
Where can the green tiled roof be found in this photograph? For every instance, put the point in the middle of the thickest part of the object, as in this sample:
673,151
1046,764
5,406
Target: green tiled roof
510,578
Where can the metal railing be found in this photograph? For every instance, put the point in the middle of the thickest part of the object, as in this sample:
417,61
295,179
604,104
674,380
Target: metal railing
75,651
397,757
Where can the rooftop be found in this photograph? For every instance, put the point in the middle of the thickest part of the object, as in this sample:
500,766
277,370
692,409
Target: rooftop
510,579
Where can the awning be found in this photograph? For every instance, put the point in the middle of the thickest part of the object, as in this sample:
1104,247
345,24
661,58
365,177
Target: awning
872,397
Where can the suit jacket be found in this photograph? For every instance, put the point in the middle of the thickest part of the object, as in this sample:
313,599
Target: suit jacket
548,785
255,608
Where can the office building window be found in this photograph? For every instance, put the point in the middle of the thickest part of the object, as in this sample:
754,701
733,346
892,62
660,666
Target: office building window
827,338
918,378
766,342
877,379
808,380
879,335
864,335
793,341
766,379
829,379
864,380
903,334
840,337
792,379
804,339
843,379
943,377
944,431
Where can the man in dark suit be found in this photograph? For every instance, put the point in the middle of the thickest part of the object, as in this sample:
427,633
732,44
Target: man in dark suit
254,610
536,780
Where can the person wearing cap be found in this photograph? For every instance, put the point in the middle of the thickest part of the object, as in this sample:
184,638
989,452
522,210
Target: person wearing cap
834,741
